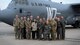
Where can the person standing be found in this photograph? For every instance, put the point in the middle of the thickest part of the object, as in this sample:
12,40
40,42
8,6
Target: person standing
28,28
59,29
47,28
41,26
37,20
63,27
24,31
16,24
34,29
53,25
22,27
31,18
43,22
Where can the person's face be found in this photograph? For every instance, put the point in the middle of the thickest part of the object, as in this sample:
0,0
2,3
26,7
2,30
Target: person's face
40,20
58,19
34,20
47,22
31,17
21,18
28,19
38,17
43,18
24,18
62,17
16,16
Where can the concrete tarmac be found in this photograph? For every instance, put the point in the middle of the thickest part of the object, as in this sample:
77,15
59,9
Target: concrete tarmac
7,37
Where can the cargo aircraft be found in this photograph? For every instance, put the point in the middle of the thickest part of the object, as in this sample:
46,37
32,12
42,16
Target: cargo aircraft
42,8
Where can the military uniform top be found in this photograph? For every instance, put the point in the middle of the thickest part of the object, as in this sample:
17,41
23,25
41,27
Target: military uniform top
31,20
38,23
16,22
53,24
22,23
59,25
47,28
28,24
40,26
63,24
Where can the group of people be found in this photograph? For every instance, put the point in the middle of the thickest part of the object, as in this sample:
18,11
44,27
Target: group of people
39,28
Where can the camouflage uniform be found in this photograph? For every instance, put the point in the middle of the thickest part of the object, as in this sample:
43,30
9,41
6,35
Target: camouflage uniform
40,29
16,24
22,28
53,25
46,33
28,29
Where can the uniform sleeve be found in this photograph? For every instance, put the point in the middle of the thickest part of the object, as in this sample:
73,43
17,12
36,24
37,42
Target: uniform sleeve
29,25
32,24
55,25
14,22
19,24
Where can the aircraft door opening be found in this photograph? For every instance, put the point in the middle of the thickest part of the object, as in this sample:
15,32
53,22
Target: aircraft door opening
20,10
